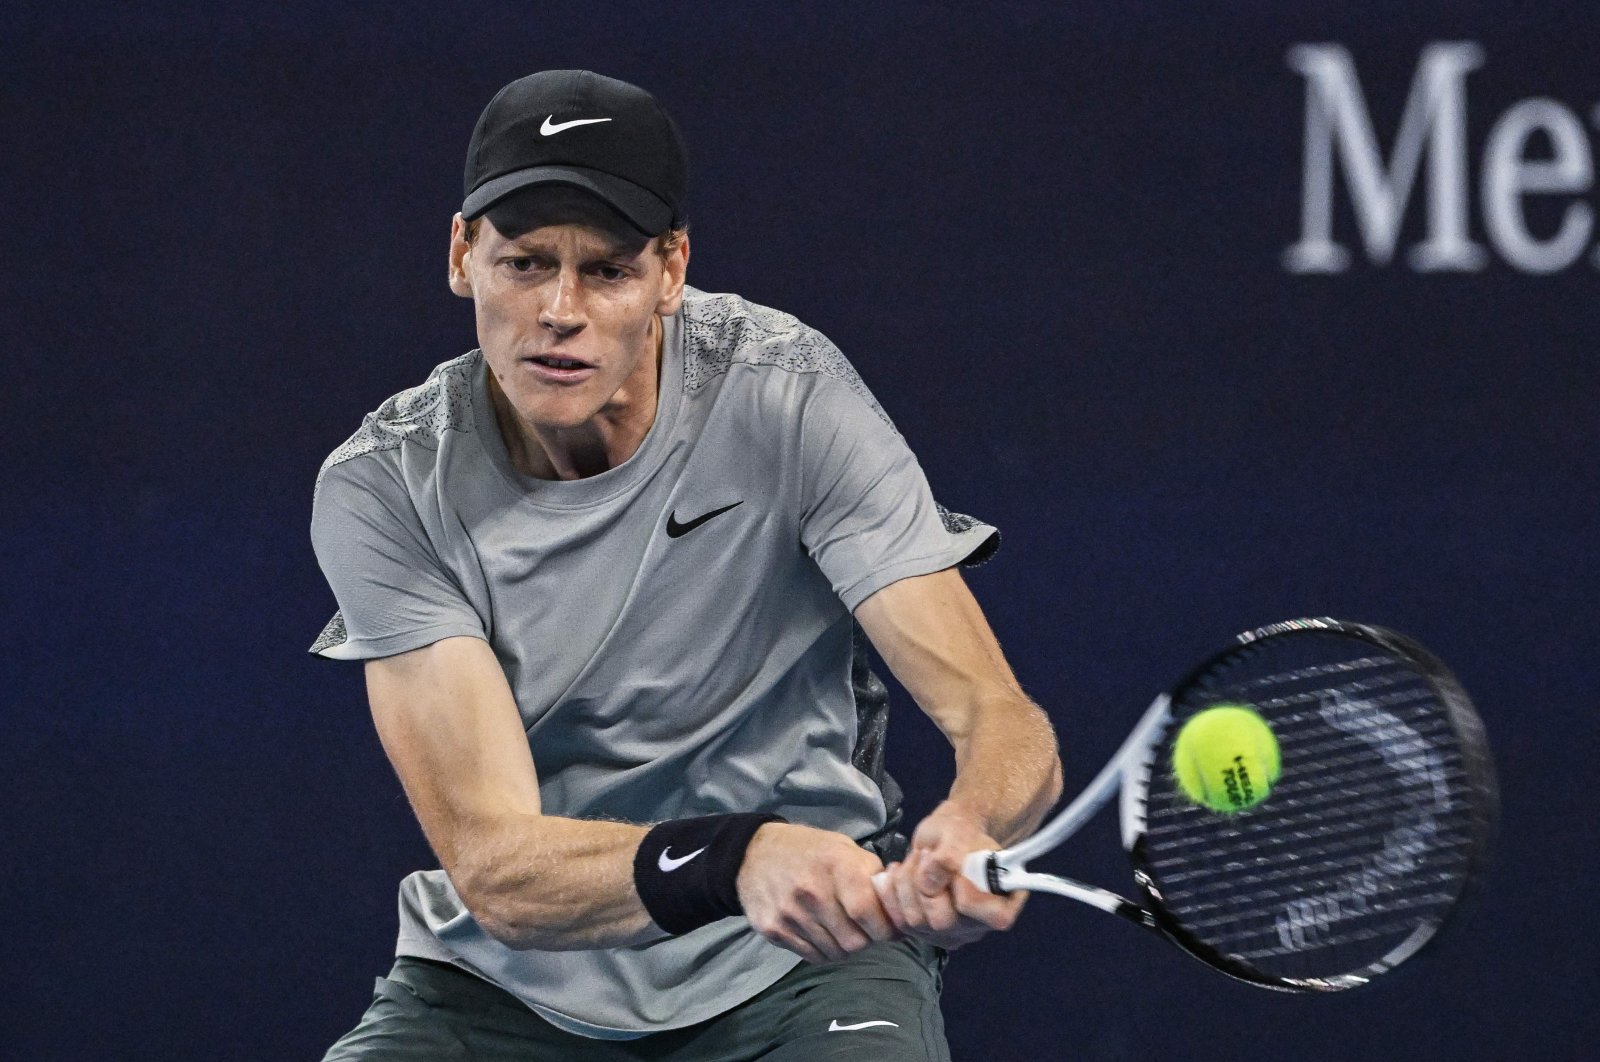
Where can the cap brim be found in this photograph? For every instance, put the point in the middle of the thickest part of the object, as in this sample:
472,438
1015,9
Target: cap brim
643,209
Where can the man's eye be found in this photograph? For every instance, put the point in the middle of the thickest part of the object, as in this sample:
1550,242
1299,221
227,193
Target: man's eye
521,265
611,272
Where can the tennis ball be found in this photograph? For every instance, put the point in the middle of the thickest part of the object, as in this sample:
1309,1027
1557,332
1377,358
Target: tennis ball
1226,758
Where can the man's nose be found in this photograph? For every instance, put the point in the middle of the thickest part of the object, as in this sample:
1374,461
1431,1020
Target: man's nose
564,314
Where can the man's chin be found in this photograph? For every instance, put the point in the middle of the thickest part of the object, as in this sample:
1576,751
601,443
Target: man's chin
544,419
563,412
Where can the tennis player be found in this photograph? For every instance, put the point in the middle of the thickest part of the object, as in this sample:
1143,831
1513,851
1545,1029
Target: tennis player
613,576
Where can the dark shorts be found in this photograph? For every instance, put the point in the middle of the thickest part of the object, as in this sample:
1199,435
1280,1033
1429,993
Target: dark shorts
881,1003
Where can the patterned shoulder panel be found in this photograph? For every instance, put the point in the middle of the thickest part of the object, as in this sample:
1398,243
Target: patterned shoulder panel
957,523
722,329
333,634
419,415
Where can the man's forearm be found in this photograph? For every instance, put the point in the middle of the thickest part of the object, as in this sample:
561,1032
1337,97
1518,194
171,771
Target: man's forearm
554,884
1008,769
935,639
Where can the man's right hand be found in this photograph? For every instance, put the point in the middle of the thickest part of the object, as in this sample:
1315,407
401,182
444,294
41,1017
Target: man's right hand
810,891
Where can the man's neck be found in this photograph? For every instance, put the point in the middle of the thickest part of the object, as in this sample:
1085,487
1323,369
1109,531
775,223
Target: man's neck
598,445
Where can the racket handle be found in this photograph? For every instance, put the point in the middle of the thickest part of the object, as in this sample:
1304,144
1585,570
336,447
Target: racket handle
983,870
980,868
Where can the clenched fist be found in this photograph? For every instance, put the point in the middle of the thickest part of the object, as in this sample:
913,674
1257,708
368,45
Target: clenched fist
811,891
926,897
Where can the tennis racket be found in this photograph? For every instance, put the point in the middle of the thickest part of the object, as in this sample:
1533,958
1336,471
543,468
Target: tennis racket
1376,827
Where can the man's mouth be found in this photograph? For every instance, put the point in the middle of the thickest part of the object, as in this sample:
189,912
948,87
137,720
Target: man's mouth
564,370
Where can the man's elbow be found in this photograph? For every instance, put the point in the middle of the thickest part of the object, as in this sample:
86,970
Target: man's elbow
499,912
497,921
514,926
516,936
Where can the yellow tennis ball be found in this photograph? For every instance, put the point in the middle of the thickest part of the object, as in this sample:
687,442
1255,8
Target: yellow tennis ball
1226,758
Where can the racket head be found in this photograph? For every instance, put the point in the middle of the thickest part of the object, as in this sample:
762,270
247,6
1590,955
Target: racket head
1378,825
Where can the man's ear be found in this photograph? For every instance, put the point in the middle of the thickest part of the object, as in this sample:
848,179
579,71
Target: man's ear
677,268
460,258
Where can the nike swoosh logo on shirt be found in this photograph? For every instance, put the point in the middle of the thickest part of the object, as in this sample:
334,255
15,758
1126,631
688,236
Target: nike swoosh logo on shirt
551,127
677,530
836,1027
668,864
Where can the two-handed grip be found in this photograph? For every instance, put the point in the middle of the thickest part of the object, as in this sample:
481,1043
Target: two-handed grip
980,868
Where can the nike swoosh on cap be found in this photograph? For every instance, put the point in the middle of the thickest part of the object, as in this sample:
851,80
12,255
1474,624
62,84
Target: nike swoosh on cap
668,864
836,1027
551,126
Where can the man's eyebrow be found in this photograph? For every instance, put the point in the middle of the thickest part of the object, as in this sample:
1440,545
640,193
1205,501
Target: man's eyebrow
620,249
597,249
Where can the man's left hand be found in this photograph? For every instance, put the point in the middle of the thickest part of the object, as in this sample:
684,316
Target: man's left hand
928,898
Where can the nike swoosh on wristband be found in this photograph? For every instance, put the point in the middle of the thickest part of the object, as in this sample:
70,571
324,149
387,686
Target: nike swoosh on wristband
677,530
836,1027
550,127
668,865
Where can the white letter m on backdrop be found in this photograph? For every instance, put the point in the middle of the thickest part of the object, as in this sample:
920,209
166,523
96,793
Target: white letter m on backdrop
1435,121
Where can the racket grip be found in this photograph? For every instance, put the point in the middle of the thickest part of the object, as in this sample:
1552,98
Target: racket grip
982,869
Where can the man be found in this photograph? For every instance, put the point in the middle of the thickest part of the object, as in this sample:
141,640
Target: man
602,572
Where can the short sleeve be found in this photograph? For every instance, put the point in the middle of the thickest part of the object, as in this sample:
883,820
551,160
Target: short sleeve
869,518
394,593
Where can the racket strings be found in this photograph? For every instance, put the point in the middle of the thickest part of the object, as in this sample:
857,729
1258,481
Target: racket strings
1419,893
1367,835
1340,782
1361,785
1422,889
1319,671
1384,933
1326,812
1263,931
1287,858
1279,870
1353,688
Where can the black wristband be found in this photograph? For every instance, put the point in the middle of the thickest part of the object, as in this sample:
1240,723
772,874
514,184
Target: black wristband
687,870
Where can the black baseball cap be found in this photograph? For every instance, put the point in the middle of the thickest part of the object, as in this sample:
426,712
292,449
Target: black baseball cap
577,128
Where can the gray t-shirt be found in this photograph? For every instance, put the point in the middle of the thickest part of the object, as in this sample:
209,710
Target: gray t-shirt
665,663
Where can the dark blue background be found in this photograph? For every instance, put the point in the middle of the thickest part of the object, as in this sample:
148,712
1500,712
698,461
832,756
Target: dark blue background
1048,235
